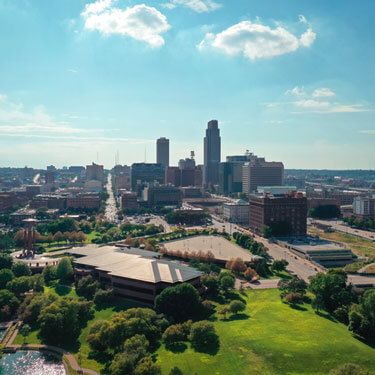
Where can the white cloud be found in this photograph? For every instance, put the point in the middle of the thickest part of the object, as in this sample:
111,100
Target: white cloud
323,92
199,6
312,104
139,22
97,7
296,91
254,40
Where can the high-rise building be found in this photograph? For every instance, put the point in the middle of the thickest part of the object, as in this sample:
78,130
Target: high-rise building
50,177
162,152
259,172
95,172
212,154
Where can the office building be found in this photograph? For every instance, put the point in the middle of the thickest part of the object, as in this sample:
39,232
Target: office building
132,273
285,215
162,152
212,154
143,173
50,177
95,172
364,207
260,172
165,195
85,201
236,212
173,176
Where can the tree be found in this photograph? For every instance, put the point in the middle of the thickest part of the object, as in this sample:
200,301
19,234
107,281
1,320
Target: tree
103,296
266,231
236,306
64,270
58,237
331,290
203,337
173,335
21,269
211,283
8,304
227,283
328,211
224,311
20,285
122,364
6,261
6,275
137,346
349,369
24,332
294,285
279,265
362,316
180,303
49,273
250,274
146,366
236,265
87,287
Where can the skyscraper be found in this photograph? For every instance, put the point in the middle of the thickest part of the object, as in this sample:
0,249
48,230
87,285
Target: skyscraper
212,152
162,152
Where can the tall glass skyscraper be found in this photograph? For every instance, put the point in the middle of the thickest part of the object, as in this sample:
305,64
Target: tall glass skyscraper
212,154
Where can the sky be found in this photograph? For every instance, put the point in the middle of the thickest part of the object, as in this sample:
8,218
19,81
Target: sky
290,80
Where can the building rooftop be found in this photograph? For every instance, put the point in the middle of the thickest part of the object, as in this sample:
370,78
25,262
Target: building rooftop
309,244
133,264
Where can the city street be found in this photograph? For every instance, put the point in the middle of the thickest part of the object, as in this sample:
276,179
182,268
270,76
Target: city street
110,212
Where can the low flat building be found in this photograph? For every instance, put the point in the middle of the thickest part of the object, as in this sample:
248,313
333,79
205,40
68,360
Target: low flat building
326,253
237,212
132,273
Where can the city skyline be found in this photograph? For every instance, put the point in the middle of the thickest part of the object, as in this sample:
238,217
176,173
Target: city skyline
75,87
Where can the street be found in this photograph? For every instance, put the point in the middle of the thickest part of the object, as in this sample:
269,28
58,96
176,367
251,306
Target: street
110,212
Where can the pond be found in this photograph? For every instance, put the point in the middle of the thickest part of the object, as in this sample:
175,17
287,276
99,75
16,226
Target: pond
30,363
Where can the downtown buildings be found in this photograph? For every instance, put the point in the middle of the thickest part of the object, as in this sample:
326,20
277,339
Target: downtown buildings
162,152
212,154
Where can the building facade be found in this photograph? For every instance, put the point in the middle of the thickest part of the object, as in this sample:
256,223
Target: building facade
146,173
95,172
285,215
364,207
237,212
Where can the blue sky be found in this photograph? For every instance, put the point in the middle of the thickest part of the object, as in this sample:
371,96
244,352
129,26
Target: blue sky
289,80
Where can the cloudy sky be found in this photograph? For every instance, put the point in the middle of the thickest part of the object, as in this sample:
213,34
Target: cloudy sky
290,80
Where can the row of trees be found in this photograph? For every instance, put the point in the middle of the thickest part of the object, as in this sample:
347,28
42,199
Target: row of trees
328,211
368,224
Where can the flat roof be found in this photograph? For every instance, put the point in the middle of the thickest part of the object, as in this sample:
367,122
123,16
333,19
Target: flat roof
313,244
133,264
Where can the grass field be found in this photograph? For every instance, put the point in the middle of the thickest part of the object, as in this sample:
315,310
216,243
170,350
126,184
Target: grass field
359,246
273,339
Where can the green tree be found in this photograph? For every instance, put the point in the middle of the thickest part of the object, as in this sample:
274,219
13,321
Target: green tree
87,287
24,332
21,269
8,304
6,261
227,283
211,283
20,285
174,335
137,346
236,306
279,265
203,337
64,270
49,273
147,366
180,303
6,275
122,364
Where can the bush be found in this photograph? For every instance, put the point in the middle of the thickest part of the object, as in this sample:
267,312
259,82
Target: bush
21,269
87,287
227,283
173,335
6,275
6,261
236,306
293,298
146,366
64,270
49,273
203,337
103,297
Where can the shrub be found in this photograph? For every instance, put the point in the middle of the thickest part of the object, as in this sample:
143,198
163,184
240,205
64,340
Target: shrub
103,297
21,269
236,306
293,298
173,335
203,336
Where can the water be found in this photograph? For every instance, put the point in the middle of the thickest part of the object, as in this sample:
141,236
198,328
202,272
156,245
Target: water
30,363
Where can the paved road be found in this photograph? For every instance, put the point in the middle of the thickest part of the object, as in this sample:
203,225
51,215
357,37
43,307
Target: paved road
340,226
298,266
110,212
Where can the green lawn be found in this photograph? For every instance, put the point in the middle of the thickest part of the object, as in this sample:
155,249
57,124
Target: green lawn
91,236
273,339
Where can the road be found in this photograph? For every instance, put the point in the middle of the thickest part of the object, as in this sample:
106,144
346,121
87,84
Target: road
298,266
110,212
340,226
